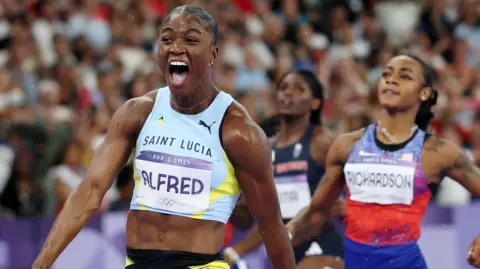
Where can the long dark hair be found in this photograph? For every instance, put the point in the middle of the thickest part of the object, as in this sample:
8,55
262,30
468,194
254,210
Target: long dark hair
425,114
317,92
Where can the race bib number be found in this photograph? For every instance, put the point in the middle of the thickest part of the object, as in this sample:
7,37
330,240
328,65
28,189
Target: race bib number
173,183
376,183
293,194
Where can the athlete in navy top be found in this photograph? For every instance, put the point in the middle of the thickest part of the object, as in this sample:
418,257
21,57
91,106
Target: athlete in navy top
298,155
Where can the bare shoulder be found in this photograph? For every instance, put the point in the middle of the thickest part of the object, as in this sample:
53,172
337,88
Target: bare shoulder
238,125
348,140
320,142
242,138
132,114
437,145
322,138
444,153
343,145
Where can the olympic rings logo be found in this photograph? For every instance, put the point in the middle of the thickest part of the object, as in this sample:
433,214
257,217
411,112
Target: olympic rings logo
166,202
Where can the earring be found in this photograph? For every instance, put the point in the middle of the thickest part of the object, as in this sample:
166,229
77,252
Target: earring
210,63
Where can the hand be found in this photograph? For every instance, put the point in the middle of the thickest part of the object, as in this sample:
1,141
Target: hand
474,253
231,256
240,264
228,260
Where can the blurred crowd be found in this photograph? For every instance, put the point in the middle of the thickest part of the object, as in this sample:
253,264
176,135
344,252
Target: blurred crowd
67,65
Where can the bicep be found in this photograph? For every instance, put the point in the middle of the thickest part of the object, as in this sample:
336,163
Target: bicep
329,188
113,152
256,180
331,185
251,156
107,161
465,172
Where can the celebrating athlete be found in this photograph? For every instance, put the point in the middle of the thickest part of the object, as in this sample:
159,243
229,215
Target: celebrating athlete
195,150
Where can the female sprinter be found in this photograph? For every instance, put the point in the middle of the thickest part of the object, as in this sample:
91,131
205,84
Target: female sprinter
298,155
386,169
194,148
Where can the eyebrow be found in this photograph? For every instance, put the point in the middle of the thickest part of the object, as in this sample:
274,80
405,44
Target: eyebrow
169,28
401,69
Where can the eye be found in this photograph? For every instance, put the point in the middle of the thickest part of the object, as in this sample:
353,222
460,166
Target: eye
192,40
166,39
407,77
385,74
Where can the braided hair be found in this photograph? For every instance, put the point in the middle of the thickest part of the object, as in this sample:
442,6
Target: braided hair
205,18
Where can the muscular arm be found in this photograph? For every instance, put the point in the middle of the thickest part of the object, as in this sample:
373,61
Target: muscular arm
461,168
84,201
248,149
309,220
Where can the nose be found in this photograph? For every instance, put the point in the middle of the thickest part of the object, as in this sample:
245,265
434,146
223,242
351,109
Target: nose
177,48
288,91
392,80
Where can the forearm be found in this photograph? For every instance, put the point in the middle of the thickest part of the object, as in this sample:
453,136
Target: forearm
307,224
278,245
77,210
250,242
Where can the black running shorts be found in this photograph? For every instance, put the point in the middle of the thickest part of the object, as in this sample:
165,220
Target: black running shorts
166,259
329,243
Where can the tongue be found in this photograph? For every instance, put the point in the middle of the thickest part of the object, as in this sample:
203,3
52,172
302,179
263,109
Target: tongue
179,78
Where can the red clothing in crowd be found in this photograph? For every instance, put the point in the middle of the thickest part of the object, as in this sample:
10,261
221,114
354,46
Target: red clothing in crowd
228,234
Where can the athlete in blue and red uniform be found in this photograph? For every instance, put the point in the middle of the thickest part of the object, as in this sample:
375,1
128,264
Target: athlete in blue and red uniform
386,168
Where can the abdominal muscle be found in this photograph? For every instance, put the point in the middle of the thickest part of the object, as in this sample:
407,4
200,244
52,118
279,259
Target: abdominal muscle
151,230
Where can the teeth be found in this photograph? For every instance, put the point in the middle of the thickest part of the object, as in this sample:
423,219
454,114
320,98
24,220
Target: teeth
178,63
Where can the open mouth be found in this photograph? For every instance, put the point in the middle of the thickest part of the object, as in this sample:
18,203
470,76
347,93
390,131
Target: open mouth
390,91
285,103
179,71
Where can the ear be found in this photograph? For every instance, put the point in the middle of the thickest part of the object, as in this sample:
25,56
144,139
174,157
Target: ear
214,53
316,103
425,93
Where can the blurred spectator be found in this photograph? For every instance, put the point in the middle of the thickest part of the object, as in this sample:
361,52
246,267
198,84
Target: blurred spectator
251,78
398,18
125,185
67,175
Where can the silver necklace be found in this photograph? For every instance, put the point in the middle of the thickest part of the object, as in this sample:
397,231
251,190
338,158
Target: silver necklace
192,107
390,137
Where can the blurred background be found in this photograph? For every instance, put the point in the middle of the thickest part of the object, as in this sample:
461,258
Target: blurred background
67,65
